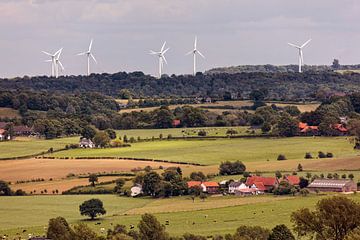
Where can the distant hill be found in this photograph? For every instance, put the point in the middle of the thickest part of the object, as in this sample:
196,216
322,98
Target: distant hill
268,68
290,86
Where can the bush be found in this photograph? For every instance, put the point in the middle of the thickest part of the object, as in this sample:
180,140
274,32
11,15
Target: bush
202,133
281,157
20,192
231,132
321,155
231,168
329,155
308,155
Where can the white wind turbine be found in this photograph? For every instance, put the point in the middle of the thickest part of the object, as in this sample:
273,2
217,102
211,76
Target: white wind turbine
301,56
162,59
194,51
58,63
53,60
89,54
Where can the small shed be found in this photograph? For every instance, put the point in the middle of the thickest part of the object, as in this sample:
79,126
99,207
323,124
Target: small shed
86,143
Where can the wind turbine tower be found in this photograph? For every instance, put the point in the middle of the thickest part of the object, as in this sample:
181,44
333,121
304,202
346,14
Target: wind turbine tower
89,54
301,56
162,59
194,52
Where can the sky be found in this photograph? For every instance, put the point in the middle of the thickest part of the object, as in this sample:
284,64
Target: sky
230,33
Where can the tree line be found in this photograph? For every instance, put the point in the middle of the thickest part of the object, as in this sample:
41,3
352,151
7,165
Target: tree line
281,85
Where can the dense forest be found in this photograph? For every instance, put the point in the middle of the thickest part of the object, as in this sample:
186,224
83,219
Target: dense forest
280,86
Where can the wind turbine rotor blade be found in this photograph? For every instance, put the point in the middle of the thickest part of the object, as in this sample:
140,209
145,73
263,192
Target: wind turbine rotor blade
47,53
293,45
163,52
90,46
58,52
306,43
163,46
80,54
62,67
192,51
93,58
153,52
163,57
195,43
48,60
200,54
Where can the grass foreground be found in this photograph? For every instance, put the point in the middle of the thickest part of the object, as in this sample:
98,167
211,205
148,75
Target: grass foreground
216,215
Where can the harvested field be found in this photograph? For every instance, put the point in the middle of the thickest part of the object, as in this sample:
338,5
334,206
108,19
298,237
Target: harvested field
13,170
59,184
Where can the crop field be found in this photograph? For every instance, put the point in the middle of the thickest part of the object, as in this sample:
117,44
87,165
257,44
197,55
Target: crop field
262,151
23,146
15,170
213,216
9,113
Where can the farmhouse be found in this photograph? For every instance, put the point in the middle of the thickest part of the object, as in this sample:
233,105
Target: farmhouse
305,129
86,143
292,179
235,186
333,185
3,135
268,182
208,187
246,192
136,190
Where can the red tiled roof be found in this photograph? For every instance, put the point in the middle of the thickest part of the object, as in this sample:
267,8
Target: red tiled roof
247,190
193,184
176,122
260,186
292,179
210,184
302,125
267,181
340,127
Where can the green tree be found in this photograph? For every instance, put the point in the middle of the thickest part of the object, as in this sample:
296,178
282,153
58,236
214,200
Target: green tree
188,236
151,183
59,229
287,126
83,232
93,178
92,208
88,132
231,168
119,183
111,133
278,174
163,118
197,176
351,176
151,229
300,168
101,139
281,232
251,233
332,219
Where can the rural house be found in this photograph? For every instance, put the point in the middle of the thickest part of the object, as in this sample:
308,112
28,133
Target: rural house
246,192
292,179
3,136
208,187
86,143
259,186
333,185
235,186
136,190
305,129
268,182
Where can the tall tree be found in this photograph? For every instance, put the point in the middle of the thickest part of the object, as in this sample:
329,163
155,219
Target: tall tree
151,229
92,208
332,219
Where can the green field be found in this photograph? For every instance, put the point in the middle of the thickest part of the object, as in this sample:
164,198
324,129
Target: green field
28,146
219,215
212,152
182,132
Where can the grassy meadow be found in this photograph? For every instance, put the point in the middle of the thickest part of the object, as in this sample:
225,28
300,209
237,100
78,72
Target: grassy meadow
216,215
23,146
212,152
